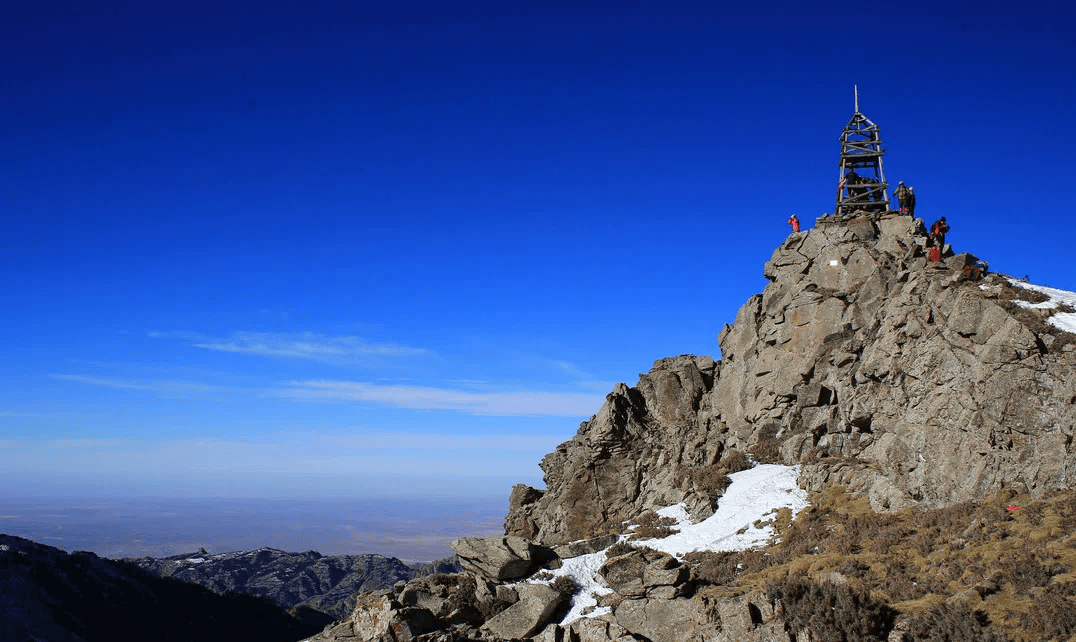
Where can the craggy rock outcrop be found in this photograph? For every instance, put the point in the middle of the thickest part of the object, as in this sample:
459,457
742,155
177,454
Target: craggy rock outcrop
497,558
873,367
537,602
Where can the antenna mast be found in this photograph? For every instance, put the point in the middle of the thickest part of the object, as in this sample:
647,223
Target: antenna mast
857,98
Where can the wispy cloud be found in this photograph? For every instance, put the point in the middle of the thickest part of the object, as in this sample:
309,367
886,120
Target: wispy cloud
566,367
558,404
435,441
165,388
296,345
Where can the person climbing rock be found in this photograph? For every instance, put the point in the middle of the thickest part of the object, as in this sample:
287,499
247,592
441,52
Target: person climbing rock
935,254
937,232
911,201
795,223
977,271
901,194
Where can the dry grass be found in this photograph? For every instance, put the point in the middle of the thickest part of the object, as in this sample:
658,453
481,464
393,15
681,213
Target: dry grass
973,571
651,526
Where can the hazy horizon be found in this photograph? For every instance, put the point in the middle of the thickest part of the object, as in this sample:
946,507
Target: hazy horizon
412,529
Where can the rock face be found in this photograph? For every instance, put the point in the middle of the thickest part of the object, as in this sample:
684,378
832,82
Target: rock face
873,367
860,361
497,558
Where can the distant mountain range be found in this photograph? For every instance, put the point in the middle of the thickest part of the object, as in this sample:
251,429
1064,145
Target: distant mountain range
326,583
49,595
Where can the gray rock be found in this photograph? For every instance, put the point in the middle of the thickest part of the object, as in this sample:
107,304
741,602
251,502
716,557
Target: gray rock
664,620
599,630
585,546
527,616
496,558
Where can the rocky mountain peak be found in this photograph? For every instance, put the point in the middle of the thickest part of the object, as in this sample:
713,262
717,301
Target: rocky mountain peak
874,367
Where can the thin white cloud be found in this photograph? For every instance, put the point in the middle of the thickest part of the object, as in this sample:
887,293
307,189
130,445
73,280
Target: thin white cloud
436,441
297,345
567,368
558,404
165,388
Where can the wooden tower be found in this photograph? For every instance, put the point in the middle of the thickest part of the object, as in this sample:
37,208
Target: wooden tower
862,182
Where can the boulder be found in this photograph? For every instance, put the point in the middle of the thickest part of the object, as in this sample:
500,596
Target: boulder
526,617
658,620
585,546
496,558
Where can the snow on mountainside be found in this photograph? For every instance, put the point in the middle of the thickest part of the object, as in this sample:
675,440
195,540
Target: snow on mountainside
753,496
1060,300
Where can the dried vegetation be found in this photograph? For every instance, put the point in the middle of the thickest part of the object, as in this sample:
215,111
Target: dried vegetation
1001,569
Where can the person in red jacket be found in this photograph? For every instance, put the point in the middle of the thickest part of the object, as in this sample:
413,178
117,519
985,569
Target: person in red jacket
937,232
795,223
935,254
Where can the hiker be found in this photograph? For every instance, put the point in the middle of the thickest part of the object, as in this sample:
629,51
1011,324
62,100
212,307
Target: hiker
976,272
935,254
902,197
911,202
795,223
937,232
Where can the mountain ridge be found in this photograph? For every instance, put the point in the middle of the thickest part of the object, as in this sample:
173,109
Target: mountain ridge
908,393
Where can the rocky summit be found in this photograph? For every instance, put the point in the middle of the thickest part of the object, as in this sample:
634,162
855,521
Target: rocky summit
897,377
913,398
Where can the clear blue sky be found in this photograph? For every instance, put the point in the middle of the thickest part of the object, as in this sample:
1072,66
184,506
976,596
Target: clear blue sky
316,249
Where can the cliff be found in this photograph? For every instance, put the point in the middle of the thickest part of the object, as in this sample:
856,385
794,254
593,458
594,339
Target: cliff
923,417
899,378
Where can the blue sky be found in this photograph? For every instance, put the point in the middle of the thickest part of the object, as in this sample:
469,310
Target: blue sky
280,249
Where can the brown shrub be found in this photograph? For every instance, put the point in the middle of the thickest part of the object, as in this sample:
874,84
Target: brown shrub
901,582
1053,616
650,525
767,451
565,585
652,532
620,548
734,461
835,613
1011,292
721,569
712,480
1025,571
951,623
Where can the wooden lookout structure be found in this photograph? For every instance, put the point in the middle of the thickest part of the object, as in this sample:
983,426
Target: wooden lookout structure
862,182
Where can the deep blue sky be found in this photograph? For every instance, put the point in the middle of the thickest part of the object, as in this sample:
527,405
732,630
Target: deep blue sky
352,249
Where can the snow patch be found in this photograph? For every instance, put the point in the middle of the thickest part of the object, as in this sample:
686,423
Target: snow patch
753,495
1065,321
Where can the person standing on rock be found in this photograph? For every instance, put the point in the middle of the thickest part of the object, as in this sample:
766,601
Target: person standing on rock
795,223
937,232
911,202
902,197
